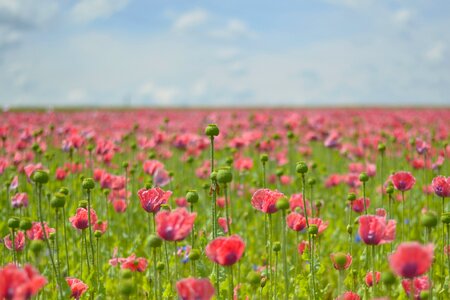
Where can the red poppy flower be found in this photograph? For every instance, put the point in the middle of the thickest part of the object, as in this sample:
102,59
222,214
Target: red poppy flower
339,265
101,226
420,284
441,186
18,283
373,230
36,232
174,225
81,219
60,174
225,251
265,199
19,241
358,204
152,199
296,200
348,296
19,200
77,286
120,205
411,259
195,289
302,246
296,221
134,263
403,181
369,278
321,225
223,224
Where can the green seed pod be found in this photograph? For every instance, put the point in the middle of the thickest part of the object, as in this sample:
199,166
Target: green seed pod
194,254
35,147
429,219
98,234
276,247
64,190
282,204
363,177
126,274
126,287
160,266
206,186
349,229
83,203
58,200
424,295
264,158
388,278
40,176
224,176
88,183
313,165
125,165
301,167
351,197
445,218
213,176
192,196
290,135
229,161
106,192
381,147
13,222
133,146
25,224
340,259
212,130
148,185
253,278
390,190
36,246
311,181
279,172
90,147
154,241
313,229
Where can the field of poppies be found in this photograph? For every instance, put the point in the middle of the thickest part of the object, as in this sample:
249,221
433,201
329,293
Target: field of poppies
225,204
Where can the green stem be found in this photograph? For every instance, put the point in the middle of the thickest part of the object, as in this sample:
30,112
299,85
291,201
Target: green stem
13,245
155,274
304,200
311,264
227,209
90,226
272,283
230,281
65,242
86,252
403,216
364,197
285,267
374,278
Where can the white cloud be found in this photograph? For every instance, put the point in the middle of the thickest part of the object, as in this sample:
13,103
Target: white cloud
76,95
190,19
233,29
157,94
89,10
436,52
403,16
9,36
27,13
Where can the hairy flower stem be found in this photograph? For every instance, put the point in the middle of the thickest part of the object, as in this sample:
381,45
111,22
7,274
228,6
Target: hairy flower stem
272,283
65,242
155,274
13,245
313,280
285,267
90,227
58,265
230,282
374,278
403,216
304,200
86,252
227,209
364,197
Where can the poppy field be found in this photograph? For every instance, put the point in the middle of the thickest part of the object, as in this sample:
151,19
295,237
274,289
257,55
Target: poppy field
225,204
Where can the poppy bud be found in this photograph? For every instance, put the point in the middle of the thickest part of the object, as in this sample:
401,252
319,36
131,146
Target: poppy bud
363,177
154,241
148,185
36,246
388,278
276,246
313,229
213,176
98,234
390,190
205,186
279,172
25,224
106,192
35,147
351,197
429,219
194,254
311,181
212,130
319,204
58,200
263,282
424,295
340,260
132,170
125,165
190,160
229,161
349,229
192,196
151,155
282,204
133,146
301,167
90,147
290,135
64,190
224,176
81,178
445,218
126,287
313,165
160,266
381,147
264,158
40,176
126,274
88,183
83,203
13,222
253,278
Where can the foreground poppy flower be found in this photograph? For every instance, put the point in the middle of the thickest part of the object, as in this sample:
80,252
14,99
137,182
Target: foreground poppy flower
373,230
195,289
225,251
152,199
411,259
77,286
441,186
403,181
174,225
296,221
81,219
19,241
265,199
20,283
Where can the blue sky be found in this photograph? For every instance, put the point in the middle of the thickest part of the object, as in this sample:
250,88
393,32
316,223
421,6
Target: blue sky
206,53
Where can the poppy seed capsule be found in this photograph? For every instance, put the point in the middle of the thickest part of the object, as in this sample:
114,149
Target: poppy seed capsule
276,247
13,222
40,176
194,254
445,218
349,229
212,130
83,203
390,190
36,246
313,229
381,147
98,234
351,197
192,196
279,172
25,224
88,183
160,266
388,278
363,177
154,241
58,200
290,135
301,167
282,204
125,165
90,147
106,192
253,278
213,176
126,287
64,190
224,176
340,259
424,295
311,181
264,158
429,219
